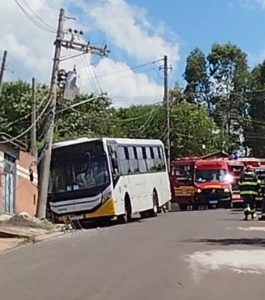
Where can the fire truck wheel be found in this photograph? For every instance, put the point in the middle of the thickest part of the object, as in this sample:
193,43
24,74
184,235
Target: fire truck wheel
195,207
183,207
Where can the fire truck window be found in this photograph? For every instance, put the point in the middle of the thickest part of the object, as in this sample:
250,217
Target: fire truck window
183,174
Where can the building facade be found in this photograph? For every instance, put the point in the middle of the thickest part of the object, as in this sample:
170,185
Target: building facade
18,180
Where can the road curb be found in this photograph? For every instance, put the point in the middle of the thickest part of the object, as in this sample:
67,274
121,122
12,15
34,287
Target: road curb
45,237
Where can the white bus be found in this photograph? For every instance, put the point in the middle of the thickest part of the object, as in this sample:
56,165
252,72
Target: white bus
107,178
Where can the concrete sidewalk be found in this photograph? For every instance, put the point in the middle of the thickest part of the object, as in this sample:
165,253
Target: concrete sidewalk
12,236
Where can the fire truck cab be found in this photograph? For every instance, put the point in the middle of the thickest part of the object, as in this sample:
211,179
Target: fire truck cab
213,184
182,181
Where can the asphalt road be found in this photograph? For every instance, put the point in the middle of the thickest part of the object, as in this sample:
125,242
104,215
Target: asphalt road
182,255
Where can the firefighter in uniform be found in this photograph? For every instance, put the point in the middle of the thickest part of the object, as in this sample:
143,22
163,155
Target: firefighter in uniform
249,187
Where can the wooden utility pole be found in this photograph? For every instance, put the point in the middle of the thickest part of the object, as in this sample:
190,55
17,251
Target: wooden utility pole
33,135
167,108
46,160
167,111
2,70
60,43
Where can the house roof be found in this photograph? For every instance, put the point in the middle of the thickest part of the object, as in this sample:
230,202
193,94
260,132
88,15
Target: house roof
219,154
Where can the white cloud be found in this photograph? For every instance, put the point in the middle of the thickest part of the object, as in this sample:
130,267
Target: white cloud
27,45
250,4
127,87
261,2
128,26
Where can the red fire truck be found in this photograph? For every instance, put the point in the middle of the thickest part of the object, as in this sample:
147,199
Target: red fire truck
212,181
236,167
182,181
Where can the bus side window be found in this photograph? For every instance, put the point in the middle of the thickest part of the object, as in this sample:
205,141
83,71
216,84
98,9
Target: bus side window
149,159
156,158
141,160
123,162
162,158
133,162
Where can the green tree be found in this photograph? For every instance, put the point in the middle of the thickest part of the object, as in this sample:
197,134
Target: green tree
15,102
194,132
86,115
228,69
255,121
196,75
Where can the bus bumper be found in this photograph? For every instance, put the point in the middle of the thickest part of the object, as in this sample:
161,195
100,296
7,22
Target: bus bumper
106,210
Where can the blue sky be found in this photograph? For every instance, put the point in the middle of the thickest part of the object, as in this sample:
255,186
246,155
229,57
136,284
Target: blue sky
136,32
200,23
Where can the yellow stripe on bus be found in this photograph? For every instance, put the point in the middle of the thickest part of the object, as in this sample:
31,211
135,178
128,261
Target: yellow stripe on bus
108,209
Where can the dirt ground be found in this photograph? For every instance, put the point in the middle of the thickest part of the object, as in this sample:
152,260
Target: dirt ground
9,243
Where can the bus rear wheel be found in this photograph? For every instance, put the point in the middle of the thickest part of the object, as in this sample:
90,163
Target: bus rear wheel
154,211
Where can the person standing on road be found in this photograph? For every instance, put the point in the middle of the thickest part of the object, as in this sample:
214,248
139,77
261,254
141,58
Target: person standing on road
249,187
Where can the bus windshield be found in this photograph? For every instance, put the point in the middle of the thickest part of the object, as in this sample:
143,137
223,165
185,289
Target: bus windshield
79,173
210,175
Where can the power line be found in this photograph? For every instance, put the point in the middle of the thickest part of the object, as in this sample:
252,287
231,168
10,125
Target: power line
89,77
129,69
36,23
39,18
27,115
29,128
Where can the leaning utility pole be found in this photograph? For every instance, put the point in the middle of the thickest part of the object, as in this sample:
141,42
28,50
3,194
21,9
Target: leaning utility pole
46,160
74,44
33,136
2,70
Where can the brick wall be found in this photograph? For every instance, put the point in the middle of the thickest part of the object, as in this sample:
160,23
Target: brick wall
1,181
27,191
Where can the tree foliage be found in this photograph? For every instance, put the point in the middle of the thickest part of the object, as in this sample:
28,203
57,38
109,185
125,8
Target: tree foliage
193,131
255,117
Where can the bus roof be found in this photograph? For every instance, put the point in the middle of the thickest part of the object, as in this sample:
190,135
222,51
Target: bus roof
122,141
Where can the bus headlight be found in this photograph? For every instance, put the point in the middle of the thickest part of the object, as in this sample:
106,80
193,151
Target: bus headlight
199,191
226,190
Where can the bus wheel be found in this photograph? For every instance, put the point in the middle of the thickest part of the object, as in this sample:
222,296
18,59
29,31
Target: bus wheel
127,217
154,211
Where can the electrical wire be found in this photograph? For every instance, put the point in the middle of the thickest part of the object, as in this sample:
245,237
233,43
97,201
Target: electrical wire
89,77
39,18
29,128
147,122
129,69
36,23
27,115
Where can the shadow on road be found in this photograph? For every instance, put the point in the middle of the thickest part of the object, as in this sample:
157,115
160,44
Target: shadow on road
101,223
232,241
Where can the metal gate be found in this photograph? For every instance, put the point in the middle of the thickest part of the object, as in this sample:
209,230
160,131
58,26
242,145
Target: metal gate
9,184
